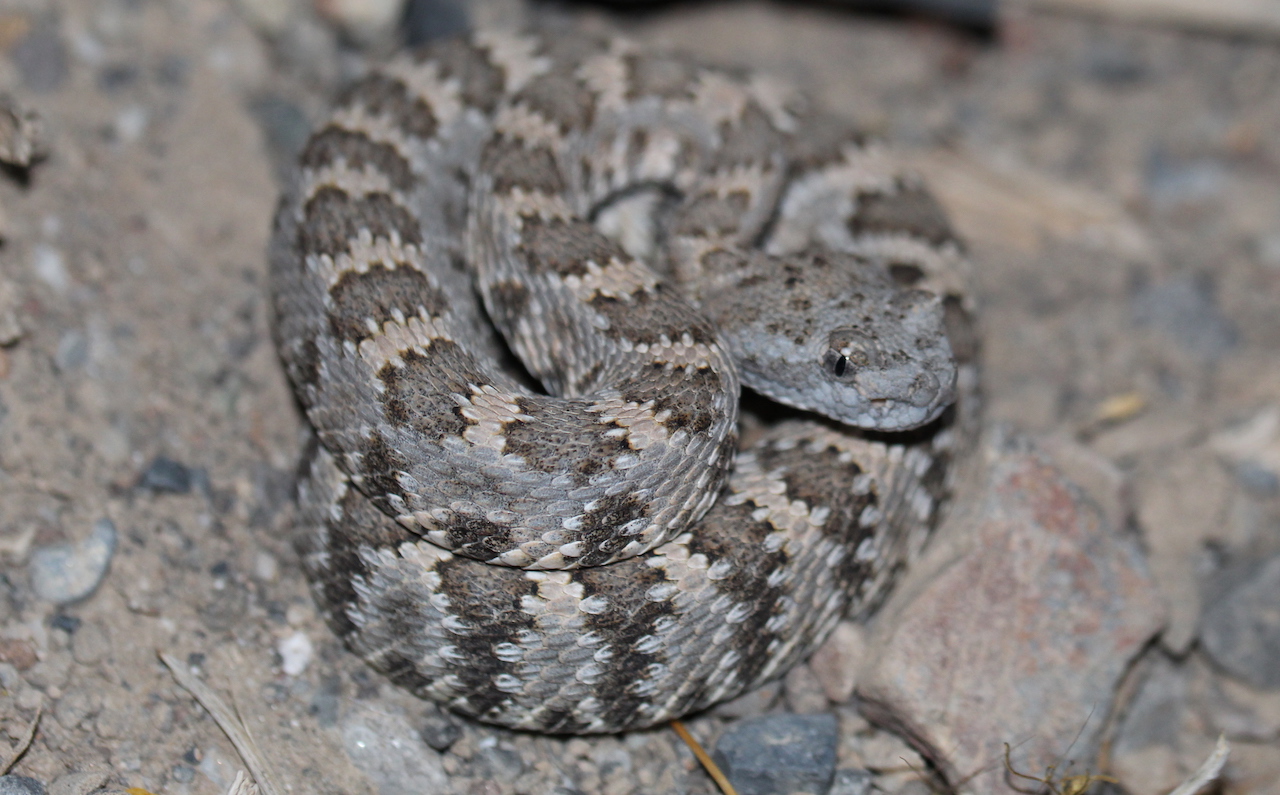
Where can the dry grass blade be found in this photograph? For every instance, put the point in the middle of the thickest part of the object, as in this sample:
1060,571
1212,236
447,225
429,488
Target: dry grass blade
1208,772
24,742
242,785
1070,785
708,763
228,720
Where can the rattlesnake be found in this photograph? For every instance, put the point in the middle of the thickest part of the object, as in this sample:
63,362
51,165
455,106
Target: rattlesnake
550,559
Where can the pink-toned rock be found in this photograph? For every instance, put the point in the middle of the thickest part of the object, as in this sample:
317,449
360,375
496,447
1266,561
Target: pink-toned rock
1015,627
835,663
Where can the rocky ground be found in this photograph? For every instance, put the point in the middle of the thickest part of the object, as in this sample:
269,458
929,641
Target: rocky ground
1120,189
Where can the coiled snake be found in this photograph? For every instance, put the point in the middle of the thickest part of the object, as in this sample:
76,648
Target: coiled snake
581,546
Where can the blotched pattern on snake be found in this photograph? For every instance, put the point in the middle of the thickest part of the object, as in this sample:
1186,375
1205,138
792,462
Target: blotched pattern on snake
580,545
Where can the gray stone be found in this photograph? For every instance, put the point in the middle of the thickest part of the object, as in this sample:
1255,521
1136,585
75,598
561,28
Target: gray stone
1241,630
389,752
91,645
284,125
497,763
438,729
77,783
20,785
166,476
431,20
65,573
850,781
1155,714
779,754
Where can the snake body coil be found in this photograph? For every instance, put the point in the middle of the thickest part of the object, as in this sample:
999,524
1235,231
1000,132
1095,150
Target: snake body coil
597,555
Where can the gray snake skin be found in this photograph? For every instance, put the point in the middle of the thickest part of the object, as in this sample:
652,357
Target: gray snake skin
581,546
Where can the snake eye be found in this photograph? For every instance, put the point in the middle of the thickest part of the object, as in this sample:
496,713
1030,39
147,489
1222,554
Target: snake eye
836,362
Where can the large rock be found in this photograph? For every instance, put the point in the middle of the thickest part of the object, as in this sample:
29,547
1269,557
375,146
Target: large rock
1015,627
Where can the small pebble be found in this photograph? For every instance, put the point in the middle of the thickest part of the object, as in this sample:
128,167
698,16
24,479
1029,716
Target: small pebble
131,123
65,573
284,124
439,730
365,21
20,785
1241,630
497,763
19,653
388,751
77,783
91,644
66,623
779,754
22,138
265,567
50,267
166,476
850,781
182,774
326,701
73,351
430,20
295,653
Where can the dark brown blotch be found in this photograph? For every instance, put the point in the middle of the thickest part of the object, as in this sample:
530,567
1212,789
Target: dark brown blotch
305,366
682,392
360,526
480,80
560,98
514,164
749,139
332,218
630,618
420,394
710,214
665,77
820,142
558,438
506,302
476,537
383,95
909,210
358,151
820,479
380,466
564,247
649,315
375,294
599,531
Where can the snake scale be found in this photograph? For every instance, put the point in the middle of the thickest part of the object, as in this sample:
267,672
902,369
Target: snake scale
576,543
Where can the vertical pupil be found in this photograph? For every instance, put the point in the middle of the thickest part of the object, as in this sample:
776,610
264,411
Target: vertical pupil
840,365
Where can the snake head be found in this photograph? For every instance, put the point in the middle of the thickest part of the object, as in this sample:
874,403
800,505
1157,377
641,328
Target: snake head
833,334
891,371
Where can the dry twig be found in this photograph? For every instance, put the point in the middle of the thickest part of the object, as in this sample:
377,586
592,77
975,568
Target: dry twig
231,723
708,763
24,743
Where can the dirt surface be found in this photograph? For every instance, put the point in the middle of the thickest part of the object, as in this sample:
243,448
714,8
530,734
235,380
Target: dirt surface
1120,190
